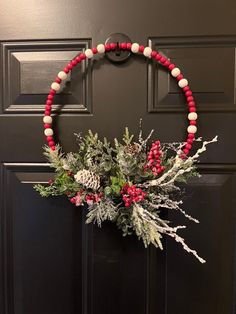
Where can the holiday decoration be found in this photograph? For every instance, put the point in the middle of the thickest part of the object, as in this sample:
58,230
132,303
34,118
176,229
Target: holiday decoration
128,182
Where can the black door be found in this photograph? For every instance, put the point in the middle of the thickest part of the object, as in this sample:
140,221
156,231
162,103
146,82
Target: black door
50,261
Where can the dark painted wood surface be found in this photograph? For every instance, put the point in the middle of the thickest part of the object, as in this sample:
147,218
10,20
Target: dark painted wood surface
50,262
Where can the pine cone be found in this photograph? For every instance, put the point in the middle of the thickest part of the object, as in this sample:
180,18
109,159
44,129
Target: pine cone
88,179
132,149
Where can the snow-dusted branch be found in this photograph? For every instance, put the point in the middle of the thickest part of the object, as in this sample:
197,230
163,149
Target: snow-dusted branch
162,226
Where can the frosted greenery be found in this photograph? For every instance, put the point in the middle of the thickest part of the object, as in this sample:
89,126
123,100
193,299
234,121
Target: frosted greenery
97,174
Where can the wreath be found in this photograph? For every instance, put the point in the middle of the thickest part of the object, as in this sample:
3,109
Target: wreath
131,181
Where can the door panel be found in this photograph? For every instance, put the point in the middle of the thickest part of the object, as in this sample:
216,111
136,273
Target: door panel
50,261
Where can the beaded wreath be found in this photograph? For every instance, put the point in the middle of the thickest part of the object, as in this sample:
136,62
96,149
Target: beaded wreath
130,183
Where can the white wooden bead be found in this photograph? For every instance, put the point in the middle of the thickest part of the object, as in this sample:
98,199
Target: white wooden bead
135,47
48,132
147,51
101,48
47,119
88,53
62,75
192,129
175,72
55,86
192,116
182,83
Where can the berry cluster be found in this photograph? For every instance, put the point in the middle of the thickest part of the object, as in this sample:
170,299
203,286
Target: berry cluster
132,194
93,198
154,161
81,197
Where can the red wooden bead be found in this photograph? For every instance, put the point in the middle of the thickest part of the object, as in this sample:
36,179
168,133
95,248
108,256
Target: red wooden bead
191,103
48,102
188,93
171,66
191,135
193,122
53,148
51,143
113,46
78,59
66,70
94,50
153,54
129,45
46,126
186,151
47,113
167,63
82,56
163,59
49,138
48,107
186,88
141,48
158,56
74,62
107,47
179,77
189,140
52,92
69,66
192,109
58,80
190,98
50,97
123,46
188,146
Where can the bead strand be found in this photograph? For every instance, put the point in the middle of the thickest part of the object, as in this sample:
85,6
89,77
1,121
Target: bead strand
134,48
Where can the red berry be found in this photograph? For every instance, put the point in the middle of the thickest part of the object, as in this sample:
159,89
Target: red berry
50,181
